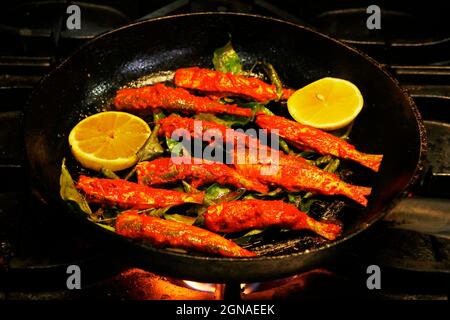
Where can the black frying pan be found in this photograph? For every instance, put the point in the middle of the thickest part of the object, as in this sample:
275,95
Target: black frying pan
389,123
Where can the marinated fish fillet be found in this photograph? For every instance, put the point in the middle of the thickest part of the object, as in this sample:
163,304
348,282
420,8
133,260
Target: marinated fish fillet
242,215
197,171
322,142
130,195
163,97
166,233
221,83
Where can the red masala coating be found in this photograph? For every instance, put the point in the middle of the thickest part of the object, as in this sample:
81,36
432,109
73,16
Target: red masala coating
198,171
292,173
165,233
160,96
174,122
317,140
241,215
130,195
295,176
214,82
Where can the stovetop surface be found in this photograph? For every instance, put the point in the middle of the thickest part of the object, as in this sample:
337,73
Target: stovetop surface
35,251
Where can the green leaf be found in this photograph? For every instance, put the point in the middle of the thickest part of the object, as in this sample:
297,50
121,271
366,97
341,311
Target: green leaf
284,145
258,107
107,227
216,191
180,218
188,188
225,59
305,204
225,120
109,174
294,199
155,212
248,237
175,147
322,160
332,166
69,192
270,194
217,194
152,148
274,78
158,116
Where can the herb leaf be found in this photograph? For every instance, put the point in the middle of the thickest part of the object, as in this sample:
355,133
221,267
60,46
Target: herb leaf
69,192
109,174
217,194
250,236
225,59
152,147
274,78
155,212
226,120
180,218
175,147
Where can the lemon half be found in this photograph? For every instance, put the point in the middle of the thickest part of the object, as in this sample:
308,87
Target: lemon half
108,140
328,103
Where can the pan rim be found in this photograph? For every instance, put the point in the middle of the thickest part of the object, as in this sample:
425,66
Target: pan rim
415,176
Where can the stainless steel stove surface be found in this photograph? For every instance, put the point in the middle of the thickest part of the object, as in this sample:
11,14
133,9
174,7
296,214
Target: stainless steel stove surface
411,246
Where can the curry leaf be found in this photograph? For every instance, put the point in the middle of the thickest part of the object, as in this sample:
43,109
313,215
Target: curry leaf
216,191
323,160
332,166
175,147
274,78
271,194
152,147
155,212
69,192
306,203
217,194
225,120
225,59
250,236
257,108
188,188
158,116
249,197
294,199
180,218
109,174
110,228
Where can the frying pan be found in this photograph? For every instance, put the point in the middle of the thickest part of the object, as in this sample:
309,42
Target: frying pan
83,84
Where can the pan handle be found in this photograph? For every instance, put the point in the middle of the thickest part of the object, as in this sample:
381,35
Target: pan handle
426,215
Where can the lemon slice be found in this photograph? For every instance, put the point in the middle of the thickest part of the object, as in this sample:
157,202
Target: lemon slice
328,103
108,140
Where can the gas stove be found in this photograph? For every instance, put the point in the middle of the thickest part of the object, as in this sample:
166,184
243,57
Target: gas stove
411,246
